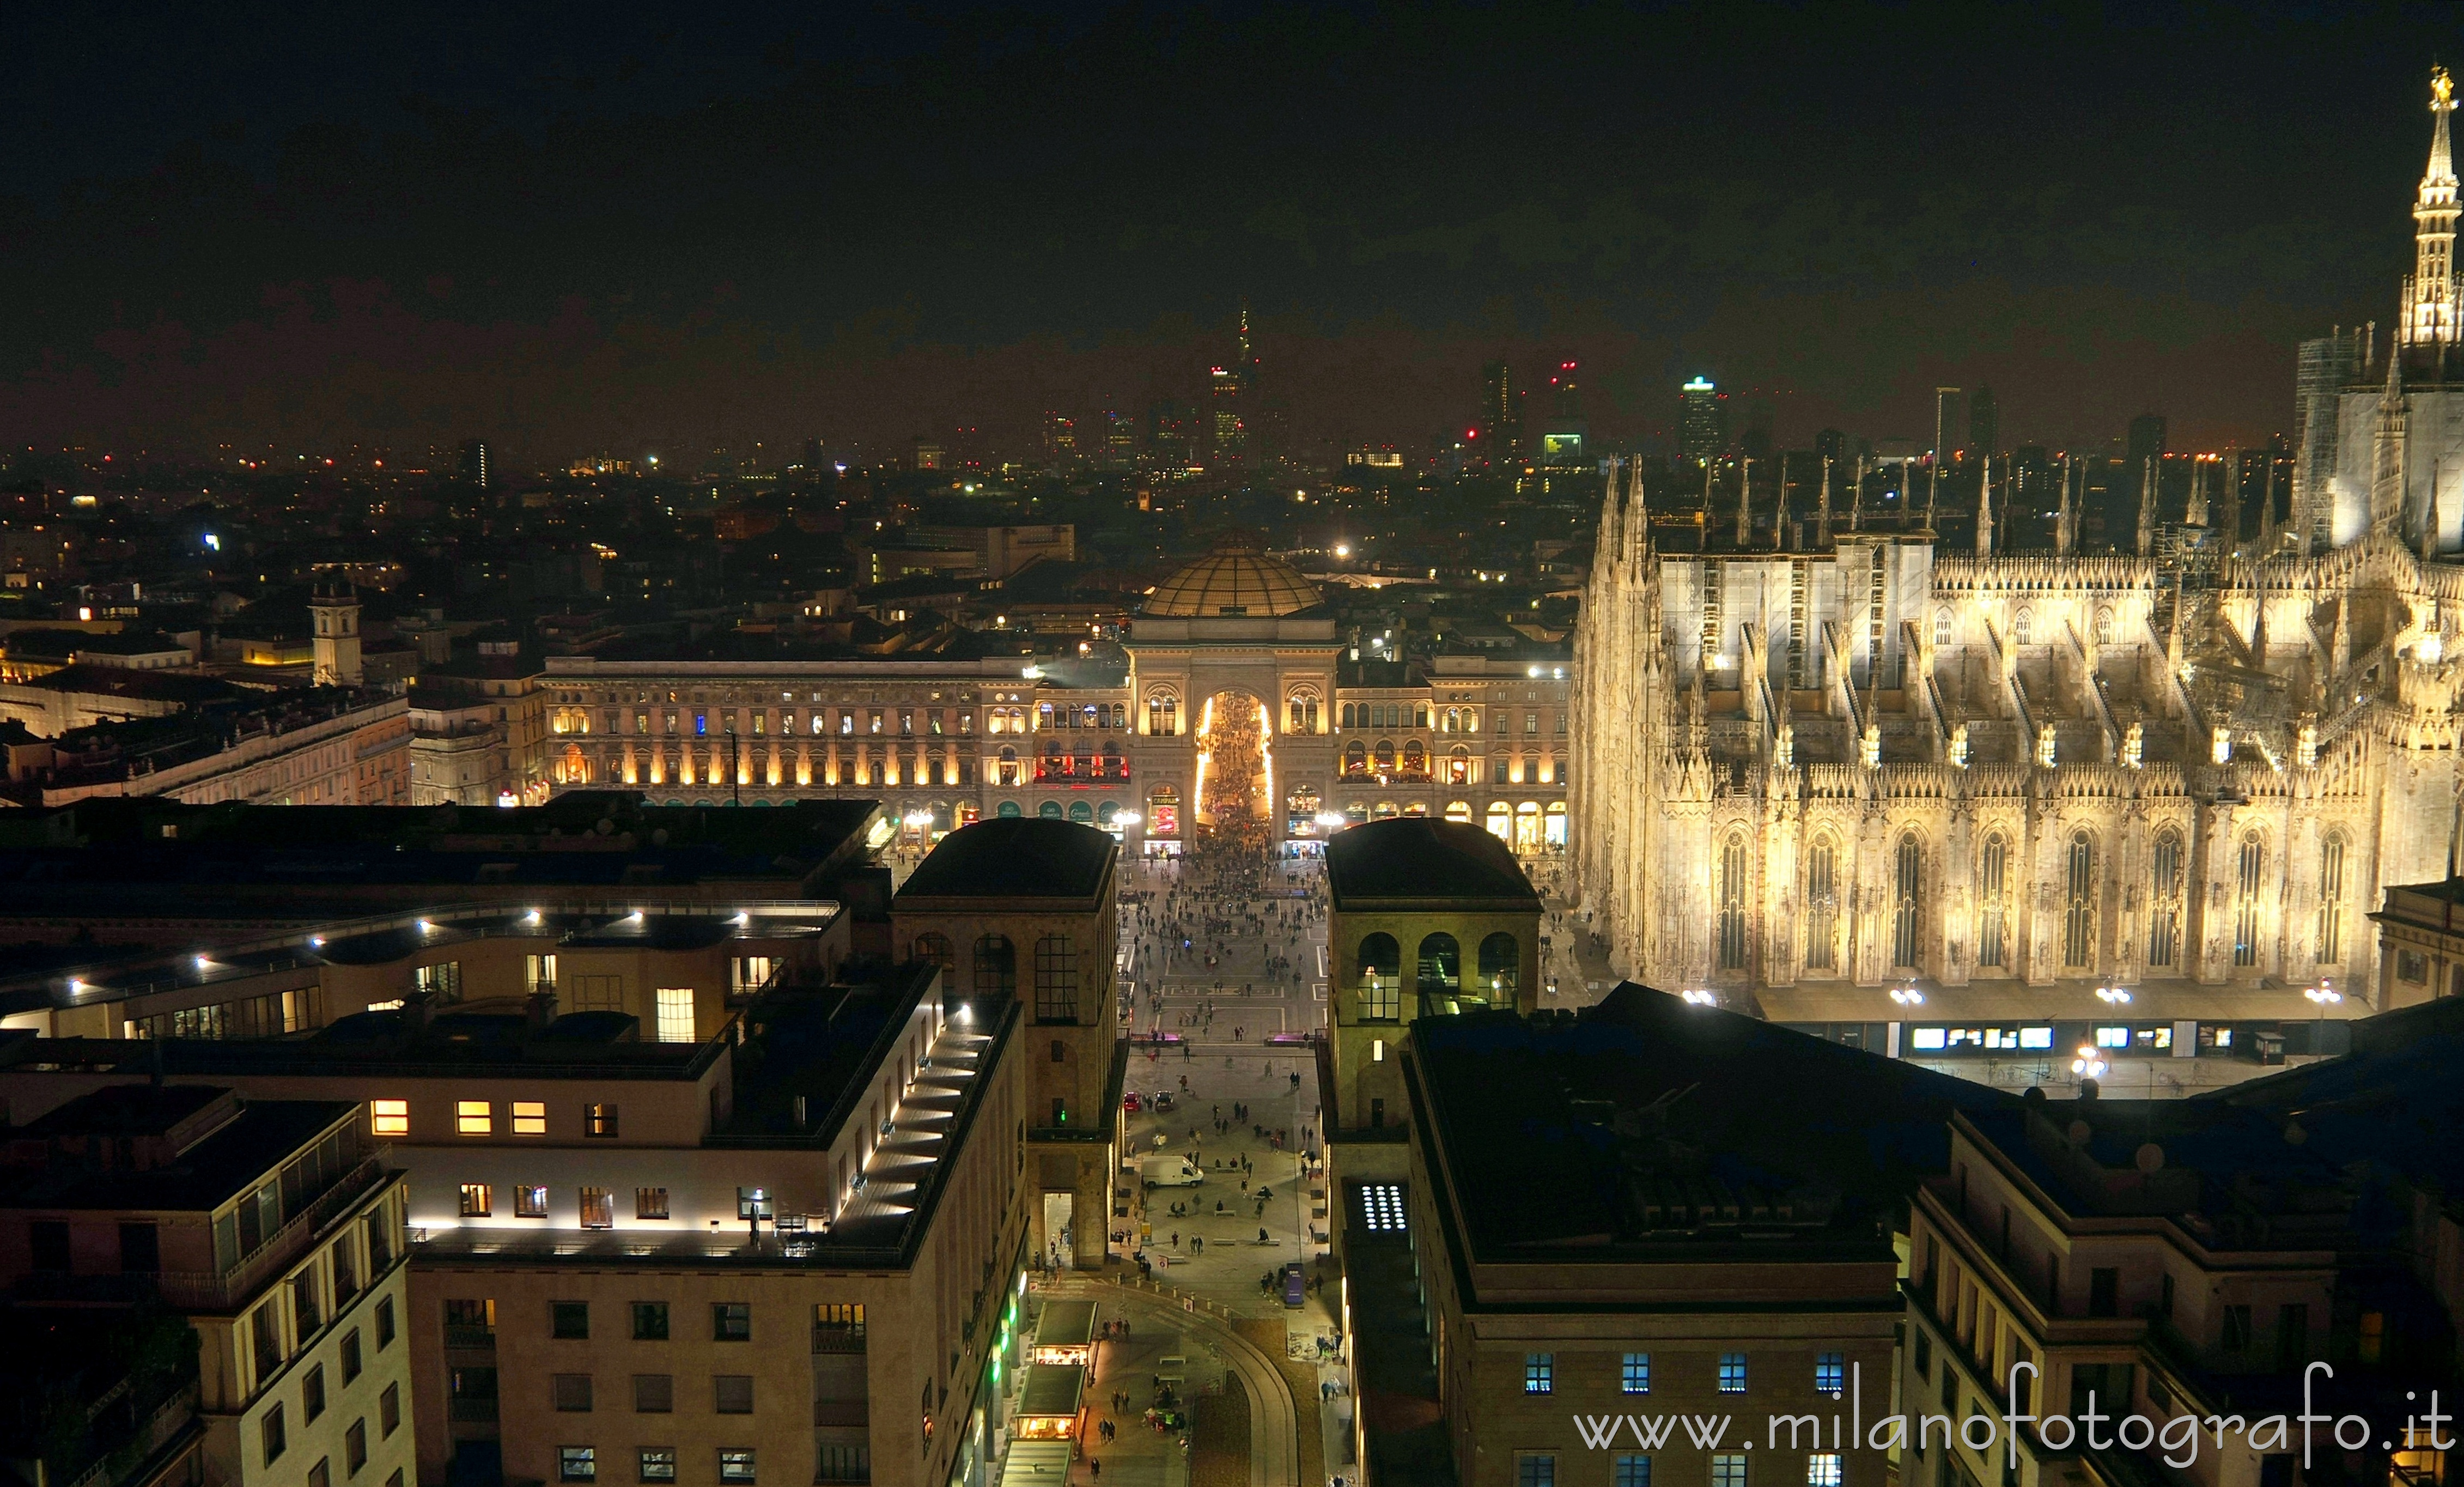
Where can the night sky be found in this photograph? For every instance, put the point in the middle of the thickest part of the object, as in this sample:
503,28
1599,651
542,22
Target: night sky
573,228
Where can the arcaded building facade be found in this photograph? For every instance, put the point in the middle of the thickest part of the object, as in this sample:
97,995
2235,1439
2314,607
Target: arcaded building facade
1115,740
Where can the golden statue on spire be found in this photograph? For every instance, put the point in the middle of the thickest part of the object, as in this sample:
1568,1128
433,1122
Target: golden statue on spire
2442,90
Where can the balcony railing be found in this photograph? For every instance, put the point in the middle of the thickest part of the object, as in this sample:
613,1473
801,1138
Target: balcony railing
1047,767
830,1338
206,1291
169,1418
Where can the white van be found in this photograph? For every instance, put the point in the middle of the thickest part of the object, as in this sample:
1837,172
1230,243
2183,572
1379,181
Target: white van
1170,1171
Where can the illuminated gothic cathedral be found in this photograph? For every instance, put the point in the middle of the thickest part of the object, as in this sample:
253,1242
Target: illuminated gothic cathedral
1856,760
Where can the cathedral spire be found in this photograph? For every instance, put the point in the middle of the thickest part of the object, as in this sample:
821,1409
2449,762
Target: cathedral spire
2063,537
2387,451
2147,509
2429,315
1822,508
1985,511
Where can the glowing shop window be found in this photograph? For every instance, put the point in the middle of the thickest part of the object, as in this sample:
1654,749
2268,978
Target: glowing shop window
1927,1039
676,1015
390,1117
2035,1037
2113,1037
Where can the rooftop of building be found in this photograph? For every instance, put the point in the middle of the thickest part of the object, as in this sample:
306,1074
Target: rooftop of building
199,1177
1649,1124
1014,857
110,855
1422,859
167,684
402,1041
846,638
2448,892
1401,1416
38,975
2305,1159
1239,579
806,1064
38,644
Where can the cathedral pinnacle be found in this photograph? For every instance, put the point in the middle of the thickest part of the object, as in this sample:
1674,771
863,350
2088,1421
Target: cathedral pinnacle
2429,317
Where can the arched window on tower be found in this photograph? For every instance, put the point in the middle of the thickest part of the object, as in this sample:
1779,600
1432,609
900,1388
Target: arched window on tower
1380,984
2023,628
2249,878
1822,906
2165,899
2079,910
2331,900
996,967
1907,922
1441,967
1732,904
1992,885
1501,968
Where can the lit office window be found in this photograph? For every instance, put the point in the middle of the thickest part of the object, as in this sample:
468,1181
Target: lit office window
676,1015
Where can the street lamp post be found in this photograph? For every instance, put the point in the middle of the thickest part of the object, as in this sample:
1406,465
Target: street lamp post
2321,996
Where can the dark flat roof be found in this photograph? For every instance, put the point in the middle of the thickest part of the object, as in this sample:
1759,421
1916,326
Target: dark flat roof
1015,858
245,1150
457,1044
89,856
1423,858
1650,1128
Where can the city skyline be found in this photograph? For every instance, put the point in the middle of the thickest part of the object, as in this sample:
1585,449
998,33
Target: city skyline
580,256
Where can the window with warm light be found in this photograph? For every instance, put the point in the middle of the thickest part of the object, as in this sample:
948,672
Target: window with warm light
676,1015
530,1118
390,1117
474,1118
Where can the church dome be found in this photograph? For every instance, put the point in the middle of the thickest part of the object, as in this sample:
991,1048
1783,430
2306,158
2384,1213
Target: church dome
1235,579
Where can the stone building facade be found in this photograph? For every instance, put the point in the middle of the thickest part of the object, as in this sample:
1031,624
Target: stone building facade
1111,741
1869,762
2023,768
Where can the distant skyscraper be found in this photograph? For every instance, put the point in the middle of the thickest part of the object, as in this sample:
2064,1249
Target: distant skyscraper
1120,440
1060,436
474,464
1224,401
1984,421
1946,420
1501,411
1232,393
1172,440
1702,419
1562,441
2146,442
1565,394
1830,444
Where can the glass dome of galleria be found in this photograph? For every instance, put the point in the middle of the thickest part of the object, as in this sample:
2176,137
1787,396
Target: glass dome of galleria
1235,579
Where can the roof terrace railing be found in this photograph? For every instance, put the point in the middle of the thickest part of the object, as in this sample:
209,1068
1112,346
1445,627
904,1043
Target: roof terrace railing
264,955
